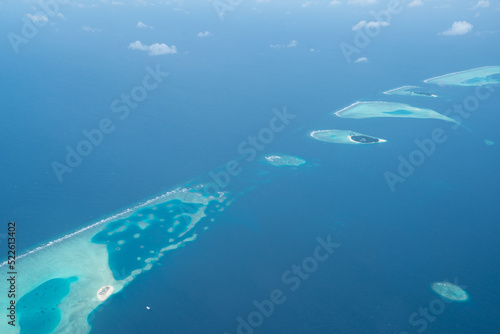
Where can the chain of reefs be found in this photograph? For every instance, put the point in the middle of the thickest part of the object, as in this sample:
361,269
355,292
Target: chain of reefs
487,75
372,109
69,277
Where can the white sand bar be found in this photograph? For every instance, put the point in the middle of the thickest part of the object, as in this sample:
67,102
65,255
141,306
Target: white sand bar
104,292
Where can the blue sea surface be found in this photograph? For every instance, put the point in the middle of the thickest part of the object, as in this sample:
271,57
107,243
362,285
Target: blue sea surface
440,224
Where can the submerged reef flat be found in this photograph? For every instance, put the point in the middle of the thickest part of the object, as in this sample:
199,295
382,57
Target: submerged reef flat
474,77
69,277
409,91
449,291
389,109
344,137
284,160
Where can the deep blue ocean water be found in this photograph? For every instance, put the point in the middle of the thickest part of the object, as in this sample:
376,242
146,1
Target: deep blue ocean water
441,223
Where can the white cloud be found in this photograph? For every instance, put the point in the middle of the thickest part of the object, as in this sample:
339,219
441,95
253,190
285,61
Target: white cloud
335,3
137,45
458,28
362,2
143,25
291,44
359,25
60,15
154,49
204,34
416,3
481,4
90,29
361,60
369,25
37,18
157,49
307,3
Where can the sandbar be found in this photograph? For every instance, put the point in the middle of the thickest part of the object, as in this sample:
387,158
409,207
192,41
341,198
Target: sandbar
104,292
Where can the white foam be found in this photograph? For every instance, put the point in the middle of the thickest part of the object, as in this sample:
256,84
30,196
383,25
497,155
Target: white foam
120,215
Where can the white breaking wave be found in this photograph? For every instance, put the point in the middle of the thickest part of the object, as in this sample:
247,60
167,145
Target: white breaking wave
103,221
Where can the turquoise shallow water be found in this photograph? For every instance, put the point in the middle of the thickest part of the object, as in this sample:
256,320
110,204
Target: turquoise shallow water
130,244
398,112
38,312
